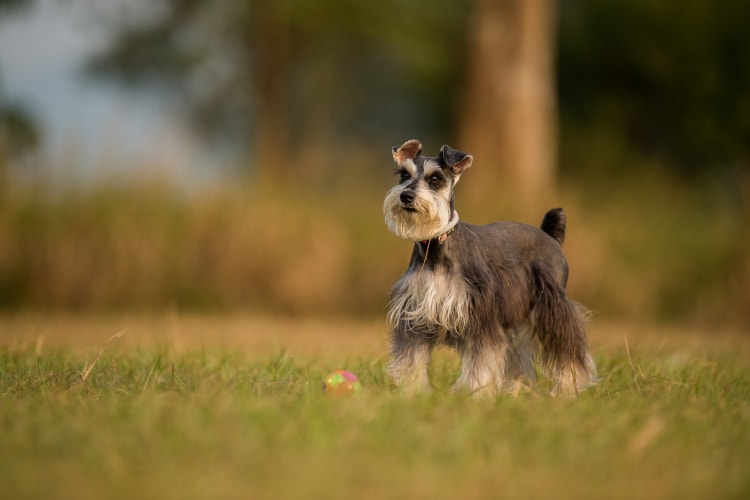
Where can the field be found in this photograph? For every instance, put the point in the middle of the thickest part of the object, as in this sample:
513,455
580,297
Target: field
171,406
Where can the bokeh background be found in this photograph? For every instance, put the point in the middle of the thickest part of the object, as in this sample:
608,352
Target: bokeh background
233,155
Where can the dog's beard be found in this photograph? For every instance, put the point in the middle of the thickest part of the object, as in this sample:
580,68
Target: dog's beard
424,219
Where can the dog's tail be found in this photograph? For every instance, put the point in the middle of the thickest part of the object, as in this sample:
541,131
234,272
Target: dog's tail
561,326
554,224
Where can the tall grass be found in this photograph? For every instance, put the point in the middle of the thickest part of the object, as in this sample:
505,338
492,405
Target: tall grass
652,249
157,423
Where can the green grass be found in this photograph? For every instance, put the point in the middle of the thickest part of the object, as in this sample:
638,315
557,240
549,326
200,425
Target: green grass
151,422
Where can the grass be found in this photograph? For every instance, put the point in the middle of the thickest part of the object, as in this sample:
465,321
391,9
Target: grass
139,416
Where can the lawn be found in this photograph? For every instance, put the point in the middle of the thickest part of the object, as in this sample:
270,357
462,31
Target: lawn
215,407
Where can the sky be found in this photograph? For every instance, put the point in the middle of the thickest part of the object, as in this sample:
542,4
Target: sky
88,127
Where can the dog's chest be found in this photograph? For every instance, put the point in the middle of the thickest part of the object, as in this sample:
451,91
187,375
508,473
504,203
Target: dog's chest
431,299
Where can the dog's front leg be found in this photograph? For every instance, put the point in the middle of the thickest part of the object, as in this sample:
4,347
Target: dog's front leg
411,353
482,364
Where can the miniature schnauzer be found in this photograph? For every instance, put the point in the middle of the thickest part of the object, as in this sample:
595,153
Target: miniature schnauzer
495,293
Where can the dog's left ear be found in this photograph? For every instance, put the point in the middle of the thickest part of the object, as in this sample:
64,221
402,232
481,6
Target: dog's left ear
457,161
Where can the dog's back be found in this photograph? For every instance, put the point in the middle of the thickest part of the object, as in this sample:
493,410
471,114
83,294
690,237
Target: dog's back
518,244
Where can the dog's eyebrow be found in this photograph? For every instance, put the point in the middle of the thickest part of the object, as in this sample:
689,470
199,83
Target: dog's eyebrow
430,168
408,166
401,171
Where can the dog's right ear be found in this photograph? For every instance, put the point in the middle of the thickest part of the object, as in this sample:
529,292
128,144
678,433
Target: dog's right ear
407,151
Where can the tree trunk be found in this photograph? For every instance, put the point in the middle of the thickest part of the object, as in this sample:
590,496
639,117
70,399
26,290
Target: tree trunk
508,115
270,47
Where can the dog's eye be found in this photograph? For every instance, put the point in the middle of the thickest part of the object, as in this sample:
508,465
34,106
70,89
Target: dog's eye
404,175
435,181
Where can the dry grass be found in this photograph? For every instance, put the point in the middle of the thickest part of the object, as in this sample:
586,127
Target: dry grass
652,250
262,335
253,336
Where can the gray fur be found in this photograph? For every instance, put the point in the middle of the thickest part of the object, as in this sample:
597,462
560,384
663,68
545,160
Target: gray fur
495,293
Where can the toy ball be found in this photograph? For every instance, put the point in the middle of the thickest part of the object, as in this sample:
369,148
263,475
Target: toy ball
341,382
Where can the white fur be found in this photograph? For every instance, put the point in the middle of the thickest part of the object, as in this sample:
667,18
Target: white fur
482,370
409,370
409,165
431,216
430,298
571,380
432,213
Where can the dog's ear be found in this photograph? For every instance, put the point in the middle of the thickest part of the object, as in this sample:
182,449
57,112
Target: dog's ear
407,151
457,161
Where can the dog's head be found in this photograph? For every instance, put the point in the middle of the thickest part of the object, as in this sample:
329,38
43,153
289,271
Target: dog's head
420,206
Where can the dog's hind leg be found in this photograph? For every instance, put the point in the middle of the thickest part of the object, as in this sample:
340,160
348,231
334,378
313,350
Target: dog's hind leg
519,359
572,378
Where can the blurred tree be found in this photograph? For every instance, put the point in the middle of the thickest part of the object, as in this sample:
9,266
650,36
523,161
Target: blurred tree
509,111
18,135
9,5
287,79
18,131
670,79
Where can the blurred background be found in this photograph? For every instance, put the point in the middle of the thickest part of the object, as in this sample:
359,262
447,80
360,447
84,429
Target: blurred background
233,155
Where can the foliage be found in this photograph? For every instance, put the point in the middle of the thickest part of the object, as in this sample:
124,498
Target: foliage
667,78
19,132
153,423
12,5
310,73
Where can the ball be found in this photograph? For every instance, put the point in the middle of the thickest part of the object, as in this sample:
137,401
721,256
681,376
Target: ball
341,383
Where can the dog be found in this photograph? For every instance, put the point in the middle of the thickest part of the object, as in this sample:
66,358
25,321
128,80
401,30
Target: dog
494,293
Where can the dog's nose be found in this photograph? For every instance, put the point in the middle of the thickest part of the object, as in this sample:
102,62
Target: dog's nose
407,197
